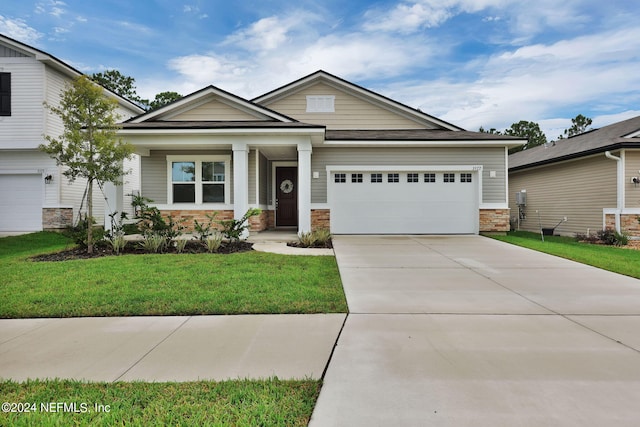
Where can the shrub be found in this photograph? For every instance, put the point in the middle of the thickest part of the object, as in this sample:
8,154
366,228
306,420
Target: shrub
115,236
203,231
611,237
320,238
151,222
180,245
232,229
213,242
154,243
78,232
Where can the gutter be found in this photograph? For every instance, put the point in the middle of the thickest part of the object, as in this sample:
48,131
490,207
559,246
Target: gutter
620,187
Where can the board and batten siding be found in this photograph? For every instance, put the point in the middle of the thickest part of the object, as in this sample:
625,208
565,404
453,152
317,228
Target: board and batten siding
154,172
351,112
24,128
491,159
632,169
213,110
7,52
578,189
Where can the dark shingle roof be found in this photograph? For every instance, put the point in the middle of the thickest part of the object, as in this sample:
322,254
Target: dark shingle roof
413,135
596,141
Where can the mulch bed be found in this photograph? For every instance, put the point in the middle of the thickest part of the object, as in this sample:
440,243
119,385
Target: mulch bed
133,248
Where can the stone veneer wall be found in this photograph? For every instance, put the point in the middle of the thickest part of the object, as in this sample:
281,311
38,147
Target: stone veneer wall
320,218
628,223
259,222
56,218
189,216
494,220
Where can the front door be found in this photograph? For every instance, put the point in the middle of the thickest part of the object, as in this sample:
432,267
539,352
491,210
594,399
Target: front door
286,196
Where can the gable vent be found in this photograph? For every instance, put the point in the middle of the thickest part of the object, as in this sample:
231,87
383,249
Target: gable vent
321,103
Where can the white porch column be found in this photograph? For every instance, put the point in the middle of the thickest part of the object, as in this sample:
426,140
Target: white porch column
114,203
304,187
240,181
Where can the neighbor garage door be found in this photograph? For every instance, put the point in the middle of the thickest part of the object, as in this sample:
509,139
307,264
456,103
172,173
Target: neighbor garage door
403,202
21,202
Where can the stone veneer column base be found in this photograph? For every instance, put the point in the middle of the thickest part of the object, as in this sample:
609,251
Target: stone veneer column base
54,219
628,223
494,220
320,219
189,217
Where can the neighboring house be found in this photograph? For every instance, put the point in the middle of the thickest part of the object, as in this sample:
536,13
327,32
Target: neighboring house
34,195
576,178
321,153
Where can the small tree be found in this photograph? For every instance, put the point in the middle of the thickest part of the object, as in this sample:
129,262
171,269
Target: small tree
529,130
88,146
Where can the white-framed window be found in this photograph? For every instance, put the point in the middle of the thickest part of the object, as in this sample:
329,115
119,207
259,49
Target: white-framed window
429,177
412,177
376,177
449,177
340,177
393,177
465,177
321,104
198,179
356,177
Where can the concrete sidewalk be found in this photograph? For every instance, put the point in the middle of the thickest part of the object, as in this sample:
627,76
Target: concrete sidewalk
469,331
178,348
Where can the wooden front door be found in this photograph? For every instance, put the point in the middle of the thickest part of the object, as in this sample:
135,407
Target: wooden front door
286,196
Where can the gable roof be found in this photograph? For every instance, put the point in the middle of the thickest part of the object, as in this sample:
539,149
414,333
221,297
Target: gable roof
60,66
339,83
204,95
624,134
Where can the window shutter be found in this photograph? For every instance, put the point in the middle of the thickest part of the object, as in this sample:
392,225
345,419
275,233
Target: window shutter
5,94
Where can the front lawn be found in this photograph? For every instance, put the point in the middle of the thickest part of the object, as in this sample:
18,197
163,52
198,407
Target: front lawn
616,259
231,403
165,284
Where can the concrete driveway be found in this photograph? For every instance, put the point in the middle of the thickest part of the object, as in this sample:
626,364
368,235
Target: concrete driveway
465,330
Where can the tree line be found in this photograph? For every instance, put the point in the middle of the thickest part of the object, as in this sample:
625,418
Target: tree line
125,86
535,136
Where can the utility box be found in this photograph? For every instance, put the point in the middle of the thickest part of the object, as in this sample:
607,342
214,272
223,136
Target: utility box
521,198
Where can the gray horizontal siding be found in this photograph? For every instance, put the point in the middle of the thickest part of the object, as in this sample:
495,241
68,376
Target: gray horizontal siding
577,189
490,158
154,172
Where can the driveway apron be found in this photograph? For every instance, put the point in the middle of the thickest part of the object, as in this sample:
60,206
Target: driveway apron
469,331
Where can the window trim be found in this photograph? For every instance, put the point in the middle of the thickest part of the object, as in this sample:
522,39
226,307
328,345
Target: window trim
449,178
413,177
340,177
357,178
199,159
376,177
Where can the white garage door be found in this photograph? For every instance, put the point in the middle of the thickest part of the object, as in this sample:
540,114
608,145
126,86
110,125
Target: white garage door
21,202
388,202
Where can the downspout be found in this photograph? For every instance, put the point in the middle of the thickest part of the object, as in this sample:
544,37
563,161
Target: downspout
620,186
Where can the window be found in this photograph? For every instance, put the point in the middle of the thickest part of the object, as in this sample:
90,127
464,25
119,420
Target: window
393,177
340,177
412,177
5,94
376,177
465,177
449,177
429,177
198,181
356,177
321,103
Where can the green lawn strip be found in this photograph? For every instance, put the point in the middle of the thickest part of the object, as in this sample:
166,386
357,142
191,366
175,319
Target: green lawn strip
616,259
269,402
169,284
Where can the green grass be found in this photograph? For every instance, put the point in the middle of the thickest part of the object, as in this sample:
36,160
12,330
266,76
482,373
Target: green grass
618,260
169,284
231,403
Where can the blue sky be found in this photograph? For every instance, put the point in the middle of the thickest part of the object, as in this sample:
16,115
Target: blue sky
471,62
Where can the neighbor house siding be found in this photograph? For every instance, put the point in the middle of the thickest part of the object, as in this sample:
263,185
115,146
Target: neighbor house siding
23,129
213,110
632,169
351,112
154,172
577,189
489,158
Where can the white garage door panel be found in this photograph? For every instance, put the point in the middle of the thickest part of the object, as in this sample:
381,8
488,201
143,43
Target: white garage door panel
404,207
21,202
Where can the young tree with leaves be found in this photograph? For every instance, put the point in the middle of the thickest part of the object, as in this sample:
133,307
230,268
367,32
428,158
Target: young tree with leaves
579,124
88,146
529,130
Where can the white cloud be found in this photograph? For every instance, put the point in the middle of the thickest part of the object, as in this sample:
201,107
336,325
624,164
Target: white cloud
19,30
